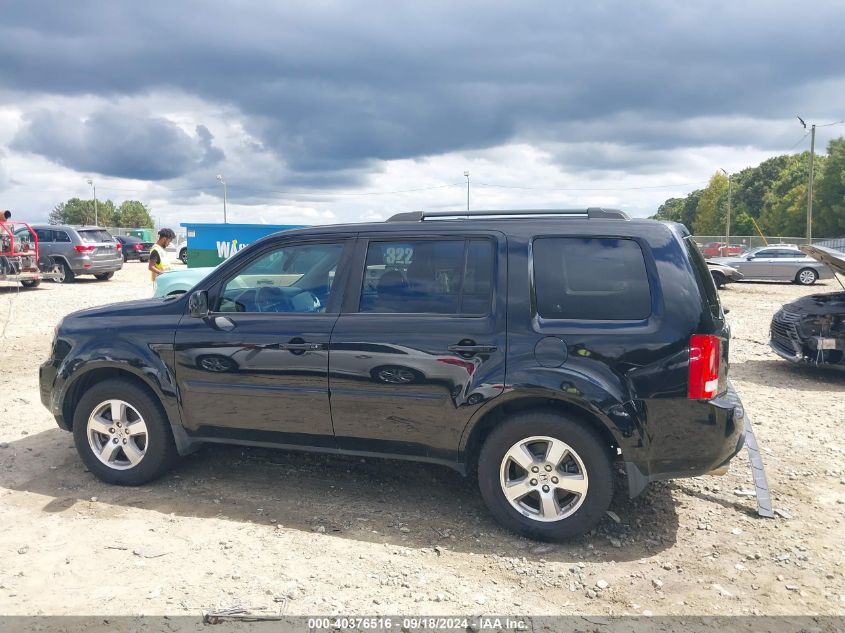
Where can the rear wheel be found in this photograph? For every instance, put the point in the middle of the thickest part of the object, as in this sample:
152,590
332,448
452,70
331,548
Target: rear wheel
545,475
104,276
183,255
122,435
31,283
65,274
806,277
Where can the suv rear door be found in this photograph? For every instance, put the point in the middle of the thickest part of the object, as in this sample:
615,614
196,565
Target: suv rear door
104,245
421,342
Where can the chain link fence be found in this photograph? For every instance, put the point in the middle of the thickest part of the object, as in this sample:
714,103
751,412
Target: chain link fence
740,243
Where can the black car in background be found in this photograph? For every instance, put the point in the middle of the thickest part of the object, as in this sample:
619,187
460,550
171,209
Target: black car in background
811,330
134,248
533,350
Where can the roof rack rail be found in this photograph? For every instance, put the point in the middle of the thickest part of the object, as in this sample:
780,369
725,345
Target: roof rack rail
592,213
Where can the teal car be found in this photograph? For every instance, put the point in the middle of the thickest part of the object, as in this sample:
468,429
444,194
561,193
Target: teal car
176,282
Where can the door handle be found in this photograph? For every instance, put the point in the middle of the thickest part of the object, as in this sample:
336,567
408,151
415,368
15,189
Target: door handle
472,349
302,347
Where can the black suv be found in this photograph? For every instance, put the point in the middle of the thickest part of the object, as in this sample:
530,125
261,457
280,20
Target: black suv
534,348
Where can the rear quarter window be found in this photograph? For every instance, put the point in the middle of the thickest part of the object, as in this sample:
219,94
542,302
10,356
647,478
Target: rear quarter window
590,279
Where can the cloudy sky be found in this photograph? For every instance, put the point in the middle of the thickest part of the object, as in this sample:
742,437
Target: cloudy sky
318,112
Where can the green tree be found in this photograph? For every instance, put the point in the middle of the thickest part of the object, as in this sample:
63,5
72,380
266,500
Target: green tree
77,211
134,214
785,204
829,194
711,212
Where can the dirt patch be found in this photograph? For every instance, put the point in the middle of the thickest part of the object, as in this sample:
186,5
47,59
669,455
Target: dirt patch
315,534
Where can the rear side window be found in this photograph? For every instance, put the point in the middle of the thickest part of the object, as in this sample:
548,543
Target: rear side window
94,236
452,276
706,286
61,236
591,279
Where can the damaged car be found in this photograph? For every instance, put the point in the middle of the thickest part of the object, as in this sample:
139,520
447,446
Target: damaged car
811,330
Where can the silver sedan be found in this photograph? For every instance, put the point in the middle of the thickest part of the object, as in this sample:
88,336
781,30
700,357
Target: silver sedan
782,262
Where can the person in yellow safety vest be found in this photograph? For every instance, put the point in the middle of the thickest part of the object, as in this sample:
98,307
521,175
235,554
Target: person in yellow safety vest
158,255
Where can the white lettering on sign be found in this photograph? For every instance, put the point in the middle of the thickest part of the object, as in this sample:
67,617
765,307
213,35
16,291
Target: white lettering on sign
227,249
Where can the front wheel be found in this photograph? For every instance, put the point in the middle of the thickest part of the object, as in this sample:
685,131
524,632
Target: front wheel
122,435
806,277
545,475
104,276
719,279
183,255
64,274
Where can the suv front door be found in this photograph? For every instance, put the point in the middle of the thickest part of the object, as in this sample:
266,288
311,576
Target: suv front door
421,342
256,367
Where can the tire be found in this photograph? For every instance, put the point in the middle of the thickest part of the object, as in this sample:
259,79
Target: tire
31,283
183,255
589,457
396,375
104,276
67,276
157,450
719,279
806,277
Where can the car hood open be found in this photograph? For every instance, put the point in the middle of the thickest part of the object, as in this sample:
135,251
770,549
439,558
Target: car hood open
834,259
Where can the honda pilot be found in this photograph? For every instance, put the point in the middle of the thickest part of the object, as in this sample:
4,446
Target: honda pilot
537,351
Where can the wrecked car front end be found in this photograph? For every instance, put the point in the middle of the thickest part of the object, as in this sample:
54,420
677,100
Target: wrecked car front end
811,330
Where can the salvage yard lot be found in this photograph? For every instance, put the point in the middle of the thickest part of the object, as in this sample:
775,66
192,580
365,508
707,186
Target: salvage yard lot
311,534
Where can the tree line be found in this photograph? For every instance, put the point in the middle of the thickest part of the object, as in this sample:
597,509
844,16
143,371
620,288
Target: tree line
774,194
130,213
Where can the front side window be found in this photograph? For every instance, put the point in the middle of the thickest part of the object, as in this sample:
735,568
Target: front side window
450,276
291,279
590,279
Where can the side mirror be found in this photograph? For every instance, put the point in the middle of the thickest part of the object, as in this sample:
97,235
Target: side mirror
748,258
198,304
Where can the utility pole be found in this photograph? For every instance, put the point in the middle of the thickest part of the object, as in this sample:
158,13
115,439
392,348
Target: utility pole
810,186
94,187
466,174
810,182
728,223
222,180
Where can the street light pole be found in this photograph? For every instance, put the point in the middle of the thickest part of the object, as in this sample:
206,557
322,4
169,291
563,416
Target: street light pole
222,180
728,223
466,174
94,187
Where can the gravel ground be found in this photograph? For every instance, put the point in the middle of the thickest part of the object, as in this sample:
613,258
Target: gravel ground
306,534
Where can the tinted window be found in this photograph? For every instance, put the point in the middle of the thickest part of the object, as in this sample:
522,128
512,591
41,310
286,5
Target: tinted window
766,253
44,235
94,236
61,236
428,277
296,278
590,279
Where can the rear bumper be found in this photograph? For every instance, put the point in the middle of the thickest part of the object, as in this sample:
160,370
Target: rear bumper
695,438
96,267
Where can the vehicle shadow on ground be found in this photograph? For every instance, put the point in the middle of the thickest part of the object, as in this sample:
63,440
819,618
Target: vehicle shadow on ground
777,372
373,500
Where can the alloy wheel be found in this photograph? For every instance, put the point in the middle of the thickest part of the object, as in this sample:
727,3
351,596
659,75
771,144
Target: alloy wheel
543,478
807,277
117,434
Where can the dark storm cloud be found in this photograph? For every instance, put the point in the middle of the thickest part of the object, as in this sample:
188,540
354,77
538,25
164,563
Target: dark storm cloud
339,86
117,143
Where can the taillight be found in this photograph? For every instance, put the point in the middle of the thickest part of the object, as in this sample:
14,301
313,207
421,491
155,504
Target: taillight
704,360
138,247
118,245
84,249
